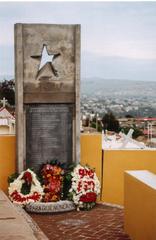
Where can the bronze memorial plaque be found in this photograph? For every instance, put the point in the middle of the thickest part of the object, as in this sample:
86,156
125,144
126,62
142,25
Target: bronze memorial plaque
49,133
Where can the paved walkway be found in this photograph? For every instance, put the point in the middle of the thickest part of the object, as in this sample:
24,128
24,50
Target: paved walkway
15,224
101,223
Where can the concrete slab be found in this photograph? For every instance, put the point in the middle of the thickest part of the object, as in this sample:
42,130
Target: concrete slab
140,204
15,223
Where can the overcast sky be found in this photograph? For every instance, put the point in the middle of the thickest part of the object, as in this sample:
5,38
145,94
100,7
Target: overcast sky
109,30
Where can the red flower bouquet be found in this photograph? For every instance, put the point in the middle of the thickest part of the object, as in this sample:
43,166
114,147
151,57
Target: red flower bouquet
84,188
88,197
52,182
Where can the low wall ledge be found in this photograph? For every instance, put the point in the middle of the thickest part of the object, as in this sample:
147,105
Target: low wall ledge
144,176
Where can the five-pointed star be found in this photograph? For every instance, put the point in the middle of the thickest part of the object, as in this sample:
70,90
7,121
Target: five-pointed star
46,58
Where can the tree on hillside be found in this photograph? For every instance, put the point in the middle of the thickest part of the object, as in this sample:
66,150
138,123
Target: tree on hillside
110,122
129,116
137,132
7,90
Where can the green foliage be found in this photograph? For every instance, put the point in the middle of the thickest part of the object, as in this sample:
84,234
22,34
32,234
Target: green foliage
71,167
129,116
70,196
88,206
67,182
99,127
7,90
93,124
12,177
66,186
137,132
110,122
55,162
25,189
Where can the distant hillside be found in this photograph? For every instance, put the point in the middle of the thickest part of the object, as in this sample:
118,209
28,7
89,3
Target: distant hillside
112,87
117,87
114,67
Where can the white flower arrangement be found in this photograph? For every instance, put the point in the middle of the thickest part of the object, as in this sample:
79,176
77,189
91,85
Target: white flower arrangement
85,187
36,190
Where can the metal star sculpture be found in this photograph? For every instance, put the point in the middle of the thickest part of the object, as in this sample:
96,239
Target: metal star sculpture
46,58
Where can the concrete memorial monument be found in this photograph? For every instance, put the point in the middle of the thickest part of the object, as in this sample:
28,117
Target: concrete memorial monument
47,72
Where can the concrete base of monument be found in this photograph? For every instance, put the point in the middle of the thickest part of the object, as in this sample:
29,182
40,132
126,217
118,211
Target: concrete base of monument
50,207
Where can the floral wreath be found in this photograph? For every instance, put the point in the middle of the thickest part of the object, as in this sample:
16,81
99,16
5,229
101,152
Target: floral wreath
52,179
85,187
26,188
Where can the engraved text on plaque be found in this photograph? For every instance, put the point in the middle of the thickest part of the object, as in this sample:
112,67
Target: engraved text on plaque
49,133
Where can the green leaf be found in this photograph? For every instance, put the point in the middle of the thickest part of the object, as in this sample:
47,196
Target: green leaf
25,189
12,177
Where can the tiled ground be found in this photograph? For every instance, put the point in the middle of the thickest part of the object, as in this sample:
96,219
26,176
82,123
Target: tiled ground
101,223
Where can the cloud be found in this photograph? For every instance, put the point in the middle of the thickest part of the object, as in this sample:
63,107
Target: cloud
125,29
6,60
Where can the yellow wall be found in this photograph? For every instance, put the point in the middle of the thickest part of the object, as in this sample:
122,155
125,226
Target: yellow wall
118,161
115,162
7,159
140,207
91,154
